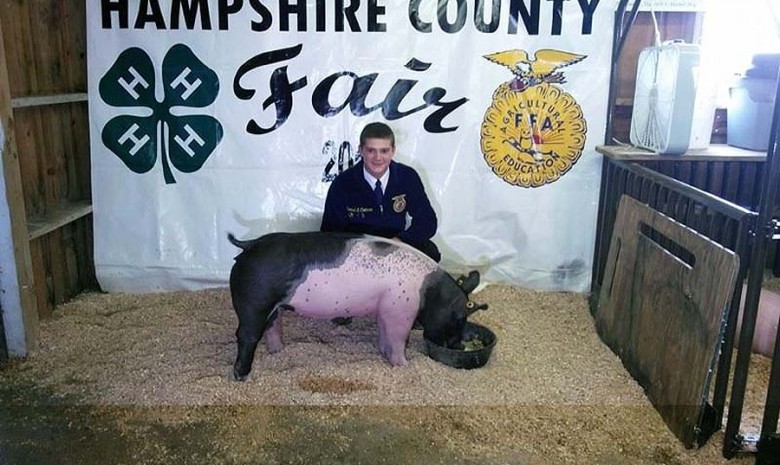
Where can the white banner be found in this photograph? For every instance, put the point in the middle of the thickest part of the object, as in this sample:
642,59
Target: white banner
233,116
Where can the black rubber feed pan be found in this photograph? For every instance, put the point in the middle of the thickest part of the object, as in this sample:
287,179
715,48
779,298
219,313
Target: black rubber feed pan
478,342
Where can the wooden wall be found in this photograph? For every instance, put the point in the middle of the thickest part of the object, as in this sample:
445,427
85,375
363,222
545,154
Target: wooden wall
45,59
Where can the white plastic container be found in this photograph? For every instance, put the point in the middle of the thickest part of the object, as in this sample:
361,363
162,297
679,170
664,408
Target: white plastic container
751,103
703,111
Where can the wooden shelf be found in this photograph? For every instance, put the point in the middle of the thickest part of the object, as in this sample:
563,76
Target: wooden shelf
38,101
715,152
58,218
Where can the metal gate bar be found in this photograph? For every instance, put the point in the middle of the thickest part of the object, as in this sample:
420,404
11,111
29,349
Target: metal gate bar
746,231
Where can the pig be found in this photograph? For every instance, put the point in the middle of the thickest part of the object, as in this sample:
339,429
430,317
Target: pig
767,318
327,274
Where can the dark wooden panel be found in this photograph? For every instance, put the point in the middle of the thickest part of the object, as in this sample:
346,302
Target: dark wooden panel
84,250
660,309
79,173
74,44
46,56
46,46
19,48
63,264
55,168
45,304
26,140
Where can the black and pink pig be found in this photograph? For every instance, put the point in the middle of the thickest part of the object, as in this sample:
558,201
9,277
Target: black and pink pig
327,275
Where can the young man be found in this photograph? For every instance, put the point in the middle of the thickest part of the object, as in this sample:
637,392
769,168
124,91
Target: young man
381,197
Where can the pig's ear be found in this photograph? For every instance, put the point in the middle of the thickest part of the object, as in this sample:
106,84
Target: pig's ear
469,283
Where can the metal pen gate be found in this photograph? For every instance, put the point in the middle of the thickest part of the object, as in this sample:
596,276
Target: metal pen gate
737,214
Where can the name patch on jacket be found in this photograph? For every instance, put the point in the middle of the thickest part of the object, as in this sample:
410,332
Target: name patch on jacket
359,212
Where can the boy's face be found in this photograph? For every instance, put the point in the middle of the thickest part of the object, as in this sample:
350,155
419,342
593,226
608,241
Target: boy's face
377,154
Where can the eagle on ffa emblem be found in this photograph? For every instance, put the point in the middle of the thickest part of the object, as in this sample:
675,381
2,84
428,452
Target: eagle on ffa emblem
534,131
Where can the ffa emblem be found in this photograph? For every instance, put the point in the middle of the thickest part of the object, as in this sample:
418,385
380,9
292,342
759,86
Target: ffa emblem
399,203
534,131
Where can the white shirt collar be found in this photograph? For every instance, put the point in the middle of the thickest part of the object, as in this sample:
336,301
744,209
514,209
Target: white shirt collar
372,180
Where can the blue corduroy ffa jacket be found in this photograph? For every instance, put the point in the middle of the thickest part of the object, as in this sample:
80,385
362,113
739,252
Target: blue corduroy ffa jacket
351,207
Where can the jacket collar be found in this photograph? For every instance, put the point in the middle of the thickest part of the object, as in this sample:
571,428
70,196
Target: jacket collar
357,175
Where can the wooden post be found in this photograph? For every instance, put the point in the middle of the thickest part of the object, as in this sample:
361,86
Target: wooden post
19,303
6,252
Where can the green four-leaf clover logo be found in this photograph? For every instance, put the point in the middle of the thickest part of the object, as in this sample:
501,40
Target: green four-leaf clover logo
186,141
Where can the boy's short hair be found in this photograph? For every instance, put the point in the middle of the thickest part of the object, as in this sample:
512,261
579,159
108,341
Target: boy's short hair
377,131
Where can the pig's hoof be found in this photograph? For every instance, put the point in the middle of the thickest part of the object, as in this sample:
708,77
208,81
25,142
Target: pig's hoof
397,360
342,320
238,376
273,346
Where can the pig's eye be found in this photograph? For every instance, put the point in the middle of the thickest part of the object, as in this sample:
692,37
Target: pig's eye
470,305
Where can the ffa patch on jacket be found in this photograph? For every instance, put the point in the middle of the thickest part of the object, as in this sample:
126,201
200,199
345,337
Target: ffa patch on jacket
399,203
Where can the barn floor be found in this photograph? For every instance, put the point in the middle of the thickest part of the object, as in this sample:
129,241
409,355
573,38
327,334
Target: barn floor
145,379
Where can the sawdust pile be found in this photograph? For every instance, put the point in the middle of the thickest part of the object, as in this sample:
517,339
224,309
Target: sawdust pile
550,376
179,349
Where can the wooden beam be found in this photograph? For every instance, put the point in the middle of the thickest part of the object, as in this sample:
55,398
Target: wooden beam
14,196
58,218
42,100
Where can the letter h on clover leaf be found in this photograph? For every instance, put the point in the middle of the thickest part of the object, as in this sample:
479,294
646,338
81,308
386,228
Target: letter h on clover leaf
186,140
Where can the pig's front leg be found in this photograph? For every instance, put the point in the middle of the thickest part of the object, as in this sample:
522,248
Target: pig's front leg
393,334
273,332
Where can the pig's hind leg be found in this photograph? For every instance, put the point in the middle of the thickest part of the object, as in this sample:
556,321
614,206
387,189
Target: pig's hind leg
247,343
273,330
